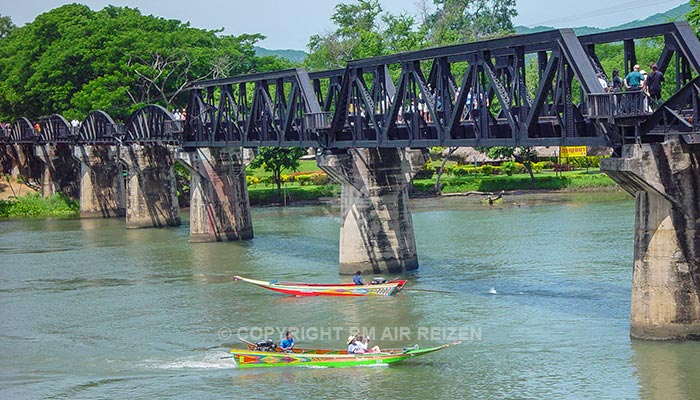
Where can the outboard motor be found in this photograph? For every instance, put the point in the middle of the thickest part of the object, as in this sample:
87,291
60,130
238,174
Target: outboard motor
378,280
265,345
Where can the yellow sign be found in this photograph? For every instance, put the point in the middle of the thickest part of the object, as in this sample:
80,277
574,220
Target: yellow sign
572,151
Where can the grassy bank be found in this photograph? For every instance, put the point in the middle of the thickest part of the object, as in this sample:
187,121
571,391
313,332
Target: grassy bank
33,205
571,180
264,194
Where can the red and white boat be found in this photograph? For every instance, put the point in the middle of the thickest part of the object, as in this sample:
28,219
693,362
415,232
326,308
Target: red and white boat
333,289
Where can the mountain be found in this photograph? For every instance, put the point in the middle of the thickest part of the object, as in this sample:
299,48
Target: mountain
674,14
289,54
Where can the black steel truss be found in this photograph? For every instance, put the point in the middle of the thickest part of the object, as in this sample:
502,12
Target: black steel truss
474,94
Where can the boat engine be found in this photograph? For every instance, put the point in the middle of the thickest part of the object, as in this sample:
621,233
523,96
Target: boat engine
265,345
378,280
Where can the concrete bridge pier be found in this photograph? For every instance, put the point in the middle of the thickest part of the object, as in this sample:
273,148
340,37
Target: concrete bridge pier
60,172
665,180
151,195
219,205
102,191
376,231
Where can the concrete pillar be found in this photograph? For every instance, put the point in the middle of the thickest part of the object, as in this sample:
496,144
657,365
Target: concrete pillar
102,191
151,192
60,172
376,231
665,180
219,205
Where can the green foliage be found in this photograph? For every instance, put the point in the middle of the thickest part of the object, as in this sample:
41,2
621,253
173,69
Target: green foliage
485,169
509,167
426,172
362,30
33,205
261,195
6,26
694,16
276,160
182,177
496,183
72,60
460,21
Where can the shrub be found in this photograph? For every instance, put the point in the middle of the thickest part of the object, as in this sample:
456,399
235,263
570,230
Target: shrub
486,169
303,179
426,172
252,180
34,205
509,167
319,178
547,164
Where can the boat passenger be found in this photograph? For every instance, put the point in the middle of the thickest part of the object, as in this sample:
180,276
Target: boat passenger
357,279
364,344
352,345
287,344
357,346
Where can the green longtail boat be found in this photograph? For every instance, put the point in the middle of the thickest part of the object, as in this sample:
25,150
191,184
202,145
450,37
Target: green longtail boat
247,358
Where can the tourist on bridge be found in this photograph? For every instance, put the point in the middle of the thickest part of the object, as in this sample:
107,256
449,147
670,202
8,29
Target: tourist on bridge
633,80
653,83
616,81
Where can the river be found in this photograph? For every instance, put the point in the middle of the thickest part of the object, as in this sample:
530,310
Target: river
538,292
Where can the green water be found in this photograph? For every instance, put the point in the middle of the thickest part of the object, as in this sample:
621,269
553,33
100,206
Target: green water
539,292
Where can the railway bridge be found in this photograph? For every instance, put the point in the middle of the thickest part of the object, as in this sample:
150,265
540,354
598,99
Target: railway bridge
370,124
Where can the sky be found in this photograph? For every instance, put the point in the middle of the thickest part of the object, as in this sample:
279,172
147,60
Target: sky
288,24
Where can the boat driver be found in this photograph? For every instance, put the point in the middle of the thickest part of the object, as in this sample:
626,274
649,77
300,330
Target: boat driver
357,279
287,344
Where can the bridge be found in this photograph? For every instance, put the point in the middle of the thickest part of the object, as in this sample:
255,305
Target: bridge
370,123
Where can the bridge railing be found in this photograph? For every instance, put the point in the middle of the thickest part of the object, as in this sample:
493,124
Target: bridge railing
619,105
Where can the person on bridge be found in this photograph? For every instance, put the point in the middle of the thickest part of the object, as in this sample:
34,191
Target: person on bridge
287,344
633,80
357,279
616,81
653,83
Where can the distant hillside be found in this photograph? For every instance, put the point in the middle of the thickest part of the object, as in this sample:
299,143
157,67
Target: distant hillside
674,14
289,54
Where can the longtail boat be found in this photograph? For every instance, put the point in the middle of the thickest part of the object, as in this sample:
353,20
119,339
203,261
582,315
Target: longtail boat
333,289
247,358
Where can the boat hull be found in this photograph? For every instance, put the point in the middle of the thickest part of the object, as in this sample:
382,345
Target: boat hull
305,289
324,358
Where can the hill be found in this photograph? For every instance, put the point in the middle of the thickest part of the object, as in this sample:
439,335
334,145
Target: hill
674,14
289,54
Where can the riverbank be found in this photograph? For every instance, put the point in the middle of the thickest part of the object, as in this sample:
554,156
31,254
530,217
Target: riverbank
19,201
485,185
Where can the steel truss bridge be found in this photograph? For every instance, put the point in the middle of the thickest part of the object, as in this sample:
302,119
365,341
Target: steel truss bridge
473,94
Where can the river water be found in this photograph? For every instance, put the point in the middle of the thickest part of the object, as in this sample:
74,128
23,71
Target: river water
538,292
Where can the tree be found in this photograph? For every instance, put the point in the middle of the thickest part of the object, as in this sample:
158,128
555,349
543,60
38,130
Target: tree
73,60
362,30
459,21
523,155
6,26
694,16
441,170
276,160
